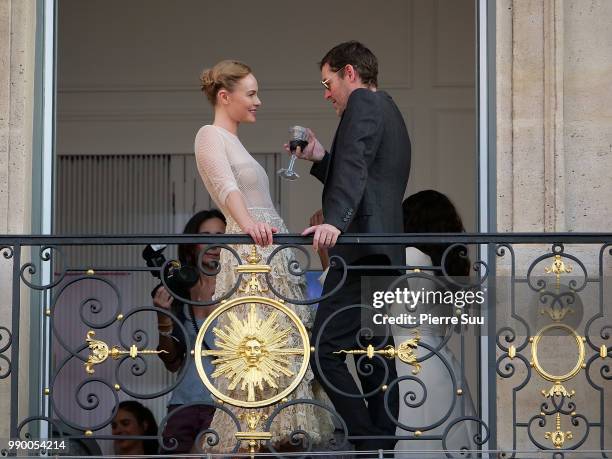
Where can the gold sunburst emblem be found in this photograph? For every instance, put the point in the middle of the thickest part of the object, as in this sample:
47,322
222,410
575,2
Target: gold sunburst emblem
253,353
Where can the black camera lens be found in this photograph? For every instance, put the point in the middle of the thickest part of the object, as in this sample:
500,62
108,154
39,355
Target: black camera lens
179,279
154,257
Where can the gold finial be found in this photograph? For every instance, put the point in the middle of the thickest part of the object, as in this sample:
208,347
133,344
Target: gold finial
417,433
46,391
558,437
117,387
120,316
384,387
47,312
88,433
459,391
512,352
557,268
90,272
404,352
254,257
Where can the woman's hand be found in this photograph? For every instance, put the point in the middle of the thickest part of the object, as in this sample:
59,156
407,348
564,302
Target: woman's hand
163,300
261,232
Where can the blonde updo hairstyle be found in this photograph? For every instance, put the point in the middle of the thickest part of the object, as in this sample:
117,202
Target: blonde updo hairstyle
224,75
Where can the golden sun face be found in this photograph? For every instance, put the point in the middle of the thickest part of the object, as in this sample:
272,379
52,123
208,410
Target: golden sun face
252,353
252,350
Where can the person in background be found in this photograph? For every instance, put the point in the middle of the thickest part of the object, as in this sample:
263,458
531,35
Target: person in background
432,212
185,425
134,419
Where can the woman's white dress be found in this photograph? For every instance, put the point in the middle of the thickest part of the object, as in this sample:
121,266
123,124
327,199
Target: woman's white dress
435,376
225,166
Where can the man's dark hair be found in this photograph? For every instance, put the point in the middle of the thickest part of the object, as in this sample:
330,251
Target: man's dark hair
361,58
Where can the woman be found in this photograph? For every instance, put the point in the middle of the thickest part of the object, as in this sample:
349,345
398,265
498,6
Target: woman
134,419
240,187
185,425
432,212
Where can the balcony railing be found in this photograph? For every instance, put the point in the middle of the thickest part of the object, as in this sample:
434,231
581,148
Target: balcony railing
522,369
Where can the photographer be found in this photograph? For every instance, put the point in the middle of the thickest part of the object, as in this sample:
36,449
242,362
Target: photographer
185,426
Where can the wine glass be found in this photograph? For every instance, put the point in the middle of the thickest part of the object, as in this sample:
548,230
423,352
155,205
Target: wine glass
299,138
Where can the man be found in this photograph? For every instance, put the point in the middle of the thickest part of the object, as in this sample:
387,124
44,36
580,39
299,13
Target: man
364,176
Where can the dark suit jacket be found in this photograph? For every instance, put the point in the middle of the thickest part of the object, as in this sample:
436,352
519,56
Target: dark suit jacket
365,175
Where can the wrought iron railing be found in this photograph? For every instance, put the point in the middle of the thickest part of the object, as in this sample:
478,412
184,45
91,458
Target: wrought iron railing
529,373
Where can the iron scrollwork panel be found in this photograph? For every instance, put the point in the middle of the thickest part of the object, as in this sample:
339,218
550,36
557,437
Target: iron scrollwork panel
562,308
102,365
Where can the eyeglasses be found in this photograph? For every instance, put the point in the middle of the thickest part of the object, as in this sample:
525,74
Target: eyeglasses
326,81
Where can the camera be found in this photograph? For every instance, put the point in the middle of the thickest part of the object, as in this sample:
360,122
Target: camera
179,279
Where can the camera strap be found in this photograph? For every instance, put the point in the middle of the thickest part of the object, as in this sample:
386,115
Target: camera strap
195,327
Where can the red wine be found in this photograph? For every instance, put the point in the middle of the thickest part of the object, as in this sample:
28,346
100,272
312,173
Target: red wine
293,144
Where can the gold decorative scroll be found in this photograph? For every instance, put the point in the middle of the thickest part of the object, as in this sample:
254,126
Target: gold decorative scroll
558,437
557,388
404,352
99,352
253,438
252,285
557,268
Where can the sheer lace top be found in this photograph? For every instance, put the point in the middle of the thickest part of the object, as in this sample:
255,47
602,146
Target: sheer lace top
225,166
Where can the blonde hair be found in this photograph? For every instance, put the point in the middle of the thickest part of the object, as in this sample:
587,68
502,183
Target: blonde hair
224,75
